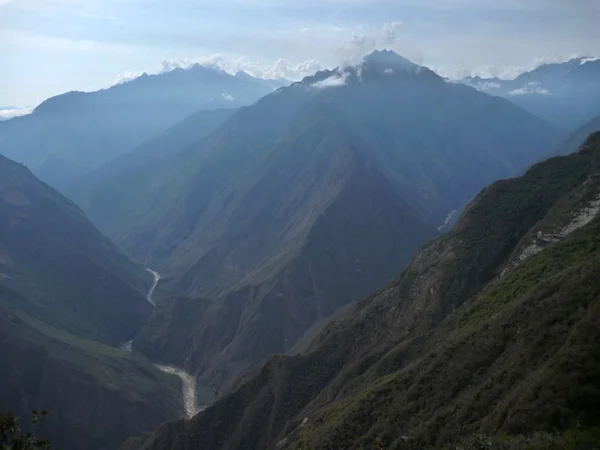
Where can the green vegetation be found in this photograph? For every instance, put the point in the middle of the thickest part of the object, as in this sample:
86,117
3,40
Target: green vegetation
11,437
469,341
304,202
58,268
576,439
65,293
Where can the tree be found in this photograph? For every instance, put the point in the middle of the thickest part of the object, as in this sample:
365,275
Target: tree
11,437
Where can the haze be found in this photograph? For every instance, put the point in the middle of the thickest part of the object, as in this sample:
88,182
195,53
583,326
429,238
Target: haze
49,47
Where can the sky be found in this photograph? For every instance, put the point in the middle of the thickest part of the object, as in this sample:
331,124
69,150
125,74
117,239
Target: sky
48,47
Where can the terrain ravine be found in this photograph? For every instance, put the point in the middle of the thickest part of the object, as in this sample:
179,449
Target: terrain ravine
188,381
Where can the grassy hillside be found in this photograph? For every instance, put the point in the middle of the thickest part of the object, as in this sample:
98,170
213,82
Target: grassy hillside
65,293
68,274
96,395
492,330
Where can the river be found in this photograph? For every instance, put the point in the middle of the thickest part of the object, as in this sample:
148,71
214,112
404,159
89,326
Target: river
188,381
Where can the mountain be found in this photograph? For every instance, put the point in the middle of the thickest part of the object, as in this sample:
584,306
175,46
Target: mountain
66,294
565,94
578,137
8,112
109,189
71,134
70,275
488,339
305,201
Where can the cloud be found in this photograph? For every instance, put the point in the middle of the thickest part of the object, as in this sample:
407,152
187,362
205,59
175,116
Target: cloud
228,97
10,112
484,85
281,68
337,80
124,77
590,59
507,72
365,40
390,30
532,88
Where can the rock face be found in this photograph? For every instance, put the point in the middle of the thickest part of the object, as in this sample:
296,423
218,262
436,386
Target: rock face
66,292
470,337
307,200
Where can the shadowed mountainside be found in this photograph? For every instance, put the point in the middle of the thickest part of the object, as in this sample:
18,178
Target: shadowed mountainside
492,328
69,135
308,200
62,284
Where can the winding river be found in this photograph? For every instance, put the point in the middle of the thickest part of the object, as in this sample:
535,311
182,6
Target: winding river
188,381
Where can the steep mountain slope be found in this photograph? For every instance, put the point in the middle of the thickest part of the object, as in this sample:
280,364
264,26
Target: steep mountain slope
307,200
309,251
96,396
69,274
578,137
110,189
493,328
566,94
70,134
60,278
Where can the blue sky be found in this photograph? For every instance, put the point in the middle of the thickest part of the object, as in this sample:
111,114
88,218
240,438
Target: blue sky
51,46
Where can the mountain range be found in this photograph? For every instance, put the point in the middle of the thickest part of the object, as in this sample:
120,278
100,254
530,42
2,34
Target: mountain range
361,224
71,134
565,94
488,339
303,202
67,298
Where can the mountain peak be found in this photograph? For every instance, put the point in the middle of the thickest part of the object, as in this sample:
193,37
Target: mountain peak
390,59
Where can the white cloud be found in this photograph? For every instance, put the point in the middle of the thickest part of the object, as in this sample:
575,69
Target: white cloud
336,80
532,88
388,71
590,59
484,86
505,72
365,40
282,68
123,77
390,31
9,113
228,97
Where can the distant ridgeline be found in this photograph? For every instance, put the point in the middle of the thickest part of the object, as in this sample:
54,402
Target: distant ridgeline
69,135
303,202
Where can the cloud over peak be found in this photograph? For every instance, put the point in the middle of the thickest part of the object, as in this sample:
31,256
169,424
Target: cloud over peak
532,88
335,80
124,77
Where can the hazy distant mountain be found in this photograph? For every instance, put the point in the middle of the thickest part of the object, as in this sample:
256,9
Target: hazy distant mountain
488,339
114,185
566,94
307,200
8,112
578,137
76,132
66,292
